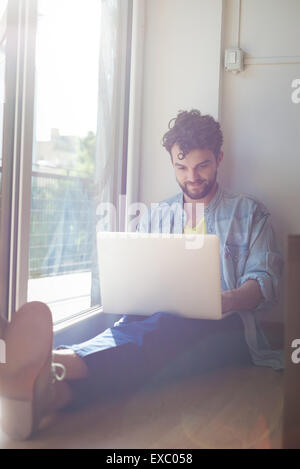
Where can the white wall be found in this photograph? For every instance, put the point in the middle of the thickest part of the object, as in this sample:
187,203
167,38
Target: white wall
183,66
260,123
181,71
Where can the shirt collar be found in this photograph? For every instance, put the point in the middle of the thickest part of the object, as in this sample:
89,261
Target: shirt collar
214,201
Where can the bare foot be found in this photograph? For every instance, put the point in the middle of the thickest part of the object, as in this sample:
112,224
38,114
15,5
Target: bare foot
26,377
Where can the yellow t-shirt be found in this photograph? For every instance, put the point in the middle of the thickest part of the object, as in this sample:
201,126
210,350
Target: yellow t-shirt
198,229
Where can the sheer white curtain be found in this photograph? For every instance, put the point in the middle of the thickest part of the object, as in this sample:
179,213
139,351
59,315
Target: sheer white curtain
112,78
110,151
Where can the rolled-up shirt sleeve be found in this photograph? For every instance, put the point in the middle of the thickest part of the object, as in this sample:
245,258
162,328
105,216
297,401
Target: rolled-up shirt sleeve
264,262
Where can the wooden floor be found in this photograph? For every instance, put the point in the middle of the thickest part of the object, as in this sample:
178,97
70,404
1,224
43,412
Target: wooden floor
232,408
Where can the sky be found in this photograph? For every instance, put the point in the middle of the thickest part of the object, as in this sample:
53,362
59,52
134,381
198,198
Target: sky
67,53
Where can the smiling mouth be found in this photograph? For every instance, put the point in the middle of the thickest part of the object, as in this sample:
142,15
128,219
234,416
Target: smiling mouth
197,184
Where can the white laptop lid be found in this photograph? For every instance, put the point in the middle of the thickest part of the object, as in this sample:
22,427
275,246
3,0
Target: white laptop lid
145,273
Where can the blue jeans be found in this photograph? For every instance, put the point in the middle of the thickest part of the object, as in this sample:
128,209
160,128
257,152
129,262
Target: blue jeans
150,351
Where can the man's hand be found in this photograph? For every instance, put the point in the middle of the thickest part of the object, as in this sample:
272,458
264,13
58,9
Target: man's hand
245,298
227,304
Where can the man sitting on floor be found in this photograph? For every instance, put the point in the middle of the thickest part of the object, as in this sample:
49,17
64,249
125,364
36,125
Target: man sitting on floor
140,351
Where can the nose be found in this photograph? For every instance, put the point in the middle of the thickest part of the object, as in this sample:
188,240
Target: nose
193,176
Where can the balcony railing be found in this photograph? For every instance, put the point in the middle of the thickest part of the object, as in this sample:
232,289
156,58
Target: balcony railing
61,227
61,242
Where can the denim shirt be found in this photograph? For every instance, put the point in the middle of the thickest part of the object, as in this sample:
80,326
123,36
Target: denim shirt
248,250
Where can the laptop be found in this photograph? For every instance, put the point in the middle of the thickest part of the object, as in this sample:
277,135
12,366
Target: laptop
145,273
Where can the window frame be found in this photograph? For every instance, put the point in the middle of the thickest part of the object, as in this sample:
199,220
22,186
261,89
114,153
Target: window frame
18,135
17,153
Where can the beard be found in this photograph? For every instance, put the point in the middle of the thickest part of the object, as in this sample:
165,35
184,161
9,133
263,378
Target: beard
199,189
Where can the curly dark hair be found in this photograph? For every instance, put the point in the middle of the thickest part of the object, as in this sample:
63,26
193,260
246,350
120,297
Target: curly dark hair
191,131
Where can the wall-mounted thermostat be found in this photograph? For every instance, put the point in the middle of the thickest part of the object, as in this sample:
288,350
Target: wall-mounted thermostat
234,60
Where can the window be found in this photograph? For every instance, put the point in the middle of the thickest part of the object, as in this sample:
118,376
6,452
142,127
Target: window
69,139
63,164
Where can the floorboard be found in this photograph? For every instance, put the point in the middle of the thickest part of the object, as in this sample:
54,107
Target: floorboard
230,408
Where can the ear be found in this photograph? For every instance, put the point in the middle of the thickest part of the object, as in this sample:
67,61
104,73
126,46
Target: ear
220,158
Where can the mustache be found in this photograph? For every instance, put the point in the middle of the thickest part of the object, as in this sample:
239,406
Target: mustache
196,182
